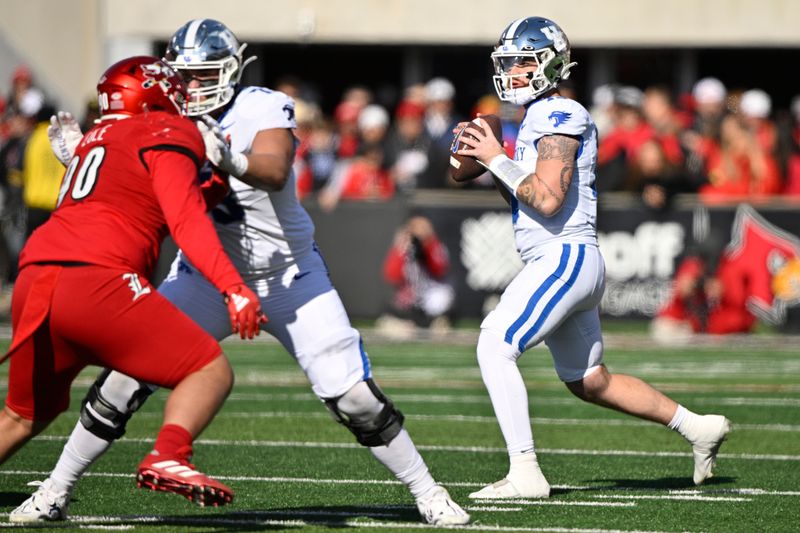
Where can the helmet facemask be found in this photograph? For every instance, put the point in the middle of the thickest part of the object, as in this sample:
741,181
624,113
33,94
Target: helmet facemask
217,80
551,69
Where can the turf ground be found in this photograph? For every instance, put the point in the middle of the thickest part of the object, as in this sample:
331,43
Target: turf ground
293,469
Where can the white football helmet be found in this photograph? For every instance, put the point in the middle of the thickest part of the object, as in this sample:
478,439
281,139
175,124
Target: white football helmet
209,57
530,39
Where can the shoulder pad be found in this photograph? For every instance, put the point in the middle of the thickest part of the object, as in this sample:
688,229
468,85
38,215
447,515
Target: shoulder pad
558,116
173,130
268,108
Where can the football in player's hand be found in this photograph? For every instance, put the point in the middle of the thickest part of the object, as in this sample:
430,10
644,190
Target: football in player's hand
465,167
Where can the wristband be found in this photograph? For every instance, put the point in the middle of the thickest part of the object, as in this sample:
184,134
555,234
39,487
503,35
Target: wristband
507,171
237,165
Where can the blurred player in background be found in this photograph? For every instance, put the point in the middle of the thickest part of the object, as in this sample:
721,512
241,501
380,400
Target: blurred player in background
417,265
270,238
82,295
555,297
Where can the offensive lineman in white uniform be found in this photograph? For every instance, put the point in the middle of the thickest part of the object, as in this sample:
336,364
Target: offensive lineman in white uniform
270,239
555,297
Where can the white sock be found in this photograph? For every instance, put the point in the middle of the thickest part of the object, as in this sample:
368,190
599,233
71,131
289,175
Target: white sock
685,422
82,449
404,461
520,463
677,420
503,380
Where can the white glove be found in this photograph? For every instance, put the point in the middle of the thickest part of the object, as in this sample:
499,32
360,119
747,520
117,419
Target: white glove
64,133
218,151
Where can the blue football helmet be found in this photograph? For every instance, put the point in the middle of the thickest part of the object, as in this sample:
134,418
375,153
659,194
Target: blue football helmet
209,57
532,39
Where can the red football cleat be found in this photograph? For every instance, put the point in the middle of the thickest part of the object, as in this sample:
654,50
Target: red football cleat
174,473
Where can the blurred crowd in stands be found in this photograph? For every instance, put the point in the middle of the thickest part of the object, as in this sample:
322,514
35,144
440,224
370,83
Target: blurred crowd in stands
724,144
24,168
30,175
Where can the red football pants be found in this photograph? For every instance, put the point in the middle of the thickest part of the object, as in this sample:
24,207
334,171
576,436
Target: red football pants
67,317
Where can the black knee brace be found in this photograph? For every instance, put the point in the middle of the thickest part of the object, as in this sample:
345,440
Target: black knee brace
109,412
377,430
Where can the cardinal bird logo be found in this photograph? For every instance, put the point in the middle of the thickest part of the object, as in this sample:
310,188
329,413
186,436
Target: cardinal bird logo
769,257
559,117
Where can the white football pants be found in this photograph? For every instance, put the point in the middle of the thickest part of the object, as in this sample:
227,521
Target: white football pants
304,313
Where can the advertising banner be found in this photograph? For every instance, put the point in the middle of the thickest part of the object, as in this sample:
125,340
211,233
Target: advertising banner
642,249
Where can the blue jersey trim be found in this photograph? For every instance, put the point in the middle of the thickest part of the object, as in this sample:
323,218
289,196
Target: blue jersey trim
548,308
526,313
364,360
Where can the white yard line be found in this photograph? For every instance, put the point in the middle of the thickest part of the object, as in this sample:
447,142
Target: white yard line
478,419
665,494
556,502
402,398
687,497
473,508
469,449
106,528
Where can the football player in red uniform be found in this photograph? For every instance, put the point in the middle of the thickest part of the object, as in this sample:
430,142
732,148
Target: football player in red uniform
82,296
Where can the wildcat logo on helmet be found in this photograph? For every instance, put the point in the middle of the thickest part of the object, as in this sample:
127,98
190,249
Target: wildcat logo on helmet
555,34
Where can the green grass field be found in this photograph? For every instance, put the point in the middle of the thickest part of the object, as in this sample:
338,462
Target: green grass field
293,469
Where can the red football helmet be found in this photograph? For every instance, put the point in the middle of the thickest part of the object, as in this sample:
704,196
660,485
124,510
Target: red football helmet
140,84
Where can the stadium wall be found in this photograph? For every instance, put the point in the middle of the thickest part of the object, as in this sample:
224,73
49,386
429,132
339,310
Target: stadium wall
69,42
641,247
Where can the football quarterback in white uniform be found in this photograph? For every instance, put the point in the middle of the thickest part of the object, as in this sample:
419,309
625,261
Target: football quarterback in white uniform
556,296
269,237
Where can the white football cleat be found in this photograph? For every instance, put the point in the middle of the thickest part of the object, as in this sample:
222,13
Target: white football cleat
439,509
712,433
46,504
532,485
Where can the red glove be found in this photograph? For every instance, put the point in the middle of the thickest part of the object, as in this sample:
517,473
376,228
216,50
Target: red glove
245,312
215,189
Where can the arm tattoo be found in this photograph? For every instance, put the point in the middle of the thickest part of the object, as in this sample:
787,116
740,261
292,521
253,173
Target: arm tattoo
526,192
566,178
535,191
547,191
560,147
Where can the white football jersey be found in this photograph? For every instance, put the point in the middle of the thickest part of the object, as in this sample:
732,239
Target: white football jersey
262,231
576,221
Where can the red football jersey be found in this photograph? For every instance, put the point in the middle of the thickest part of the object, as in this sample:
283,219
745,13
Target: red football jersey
131,182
